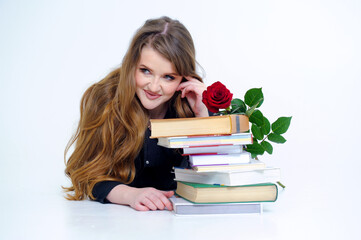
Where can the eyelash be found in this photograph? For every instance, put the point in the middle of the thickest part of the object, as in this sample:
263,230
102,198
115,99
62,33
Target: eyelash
170,77
146,71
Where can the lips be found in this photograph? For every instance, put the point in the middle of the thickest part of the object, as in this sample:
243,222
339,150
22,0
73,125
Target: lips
151,95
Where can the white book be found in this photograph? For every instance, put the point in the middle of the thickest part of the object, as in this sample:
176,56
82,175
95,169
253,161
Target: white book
253,164
184,207
214,149
229,178
206,159
206,140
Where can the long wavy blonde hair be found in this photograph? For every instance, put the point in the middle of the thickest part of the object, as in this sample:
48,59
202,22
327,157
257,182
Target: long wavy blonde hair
112,123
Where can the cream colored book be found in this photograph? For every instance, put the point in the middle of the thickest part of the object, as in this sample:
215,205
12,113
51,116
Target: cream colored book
215,125
205,193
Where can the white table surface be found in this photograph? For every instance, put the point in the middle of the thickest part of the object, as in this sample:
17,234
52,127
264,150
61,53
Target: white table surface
32,215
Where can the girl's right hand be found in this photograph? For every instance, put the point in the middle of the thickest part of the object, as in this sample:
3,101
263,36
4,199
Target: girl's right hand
145,199
141,199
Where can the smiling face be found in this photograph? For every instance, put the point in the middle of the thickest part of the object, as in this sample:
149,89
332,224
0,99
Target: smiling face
156,81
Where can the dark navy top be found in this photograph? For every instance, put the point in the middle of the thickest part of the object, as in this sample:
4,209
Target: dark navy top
154,168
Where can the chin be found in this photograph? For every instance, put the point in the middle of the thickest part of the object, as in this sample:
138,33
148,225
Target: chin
150,106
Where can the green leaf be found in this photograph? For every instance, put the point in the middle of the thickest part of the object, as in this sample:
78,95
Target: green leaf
267,146
255,148
276,138
238,106
256,118
250,111
266,126
256,131
281,125
254,96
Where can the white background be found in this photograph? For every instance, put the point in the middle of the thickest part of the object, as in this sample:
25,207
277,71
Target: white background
304,54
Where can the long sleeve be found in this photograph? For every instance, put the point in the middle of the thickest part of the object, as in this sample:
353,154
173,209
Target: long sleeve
154,168
102,189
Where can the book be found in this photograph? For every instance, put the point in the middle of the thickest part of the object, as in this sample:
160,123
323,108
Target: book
183,207
226,124
253,164
229,178
213,149
206,140
219,158
205,193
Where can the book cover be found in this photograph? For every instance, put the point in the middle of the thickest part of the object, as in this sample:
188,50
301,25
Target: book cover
206,193
183,207
229,178
226,124
206,140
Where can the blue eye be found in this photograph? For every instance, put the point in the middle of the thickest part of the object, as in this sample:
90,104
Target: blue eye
169,77
144,70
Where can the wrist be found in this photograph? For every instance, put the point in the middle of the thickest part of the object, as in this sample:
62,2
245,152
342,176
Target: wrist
121,194
203,113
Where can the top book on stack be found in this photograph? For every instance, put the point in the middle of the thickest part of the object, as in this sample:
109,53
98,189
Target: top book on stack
215,125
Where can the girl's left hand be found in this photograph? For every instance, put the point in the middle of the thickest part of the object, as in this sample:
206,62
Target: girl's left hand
193,90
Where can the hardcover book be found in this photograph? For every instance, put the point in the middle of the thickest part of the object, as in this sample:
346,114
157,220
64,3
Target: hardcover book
226,124
205,193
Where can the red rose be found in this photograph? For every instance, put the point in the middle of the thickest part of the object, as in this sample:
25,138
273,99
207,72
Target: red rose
216,97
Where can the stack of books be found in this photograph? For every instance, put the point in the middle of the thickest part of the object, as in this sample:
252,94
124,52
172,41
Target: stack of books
224,178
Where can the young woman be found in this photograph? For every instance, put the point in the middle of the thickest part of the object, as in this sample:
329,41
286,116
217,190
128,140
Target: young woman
114,160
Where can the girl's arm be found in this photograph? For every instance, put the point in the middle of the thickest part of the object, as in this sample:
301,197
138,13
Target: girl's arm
141,199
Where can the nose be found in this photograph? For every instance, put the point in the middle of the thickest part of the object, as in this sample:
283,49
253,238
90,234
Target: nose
154,84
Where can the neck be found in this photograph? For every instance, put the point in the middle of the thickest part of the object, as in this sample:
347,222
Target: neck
158,113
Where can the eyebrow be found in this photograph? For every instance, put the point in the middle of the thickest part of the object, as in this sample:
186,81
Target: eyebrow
144,66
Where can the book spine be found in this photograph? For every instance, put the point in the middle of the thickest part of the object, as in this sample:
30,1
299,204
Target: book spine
238,126
239,123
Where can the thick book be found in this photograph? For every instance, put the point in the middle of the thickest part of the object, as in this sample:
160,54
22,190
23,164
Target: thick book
206,140
229,178
183,207
226,124
206,193
213,149
219,158
253,164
